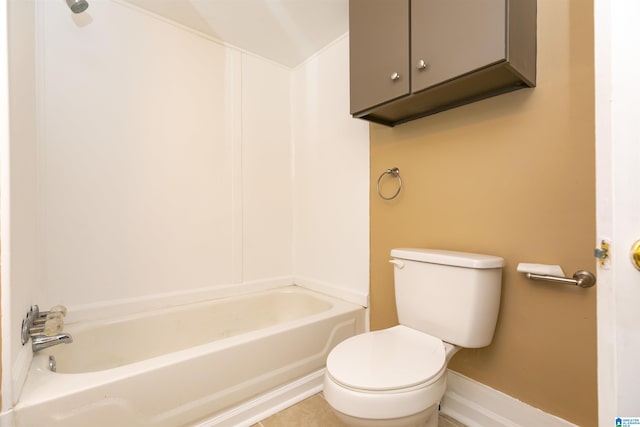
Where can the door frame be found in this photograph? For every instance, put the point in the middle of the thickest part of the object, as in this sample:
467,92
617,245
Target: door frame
617,89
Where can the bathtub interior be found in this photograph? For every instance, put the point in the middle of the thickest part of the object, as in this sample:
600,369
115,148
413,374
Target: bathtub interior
133,338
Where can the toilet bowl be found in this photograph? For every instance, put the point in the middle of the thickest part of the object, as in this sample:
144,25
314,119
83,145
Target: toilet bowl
397,376
394,377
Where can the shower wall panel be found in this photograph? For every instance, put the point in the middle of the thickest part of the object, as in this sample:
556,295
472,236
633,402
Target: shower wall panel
141,150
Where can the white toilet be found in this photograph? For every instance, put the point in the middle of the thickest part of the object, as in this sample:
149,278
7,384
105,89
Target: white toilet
396,377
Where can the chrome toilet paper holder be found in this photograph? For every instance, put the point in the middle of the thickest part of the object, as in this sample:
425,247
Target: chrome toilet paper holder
581,278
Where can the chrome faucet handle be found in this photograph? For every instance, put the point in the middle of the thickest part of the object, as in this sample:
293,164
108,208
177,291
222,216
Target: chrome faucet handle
56,310
37,322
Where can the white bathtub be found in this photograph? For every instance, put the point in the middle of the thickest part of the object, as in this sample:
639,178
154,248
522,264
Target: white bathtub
218,363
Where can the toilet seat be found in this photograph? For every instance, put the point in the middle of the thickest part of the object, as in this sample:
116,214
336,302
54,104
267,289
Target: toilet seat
391,360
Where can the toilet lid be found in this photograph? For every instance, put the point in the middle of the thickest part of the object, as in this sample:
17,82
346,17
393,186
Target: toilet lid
389,359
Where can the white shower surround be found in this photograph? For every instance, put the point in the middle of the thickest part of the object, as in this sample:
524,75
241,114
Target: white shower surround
140,196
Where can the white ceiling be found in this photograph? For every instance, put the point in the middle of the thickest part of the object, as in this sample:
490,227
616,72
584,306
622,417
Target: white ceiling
285,31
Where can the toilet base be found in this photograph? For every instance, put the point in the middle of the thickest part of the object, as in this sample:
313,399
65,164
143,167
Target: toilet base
426,418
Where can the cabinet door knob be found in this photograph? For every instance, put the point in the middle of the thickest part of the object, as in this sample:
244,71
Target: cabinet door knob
422,65
395,76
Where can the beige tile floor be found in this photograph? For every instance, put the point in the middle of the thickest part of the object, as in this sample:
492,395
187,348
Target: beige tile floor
315,412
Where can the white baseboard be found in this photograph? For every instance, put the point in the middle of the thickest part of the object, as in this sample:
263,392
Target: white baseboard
478,405
255,410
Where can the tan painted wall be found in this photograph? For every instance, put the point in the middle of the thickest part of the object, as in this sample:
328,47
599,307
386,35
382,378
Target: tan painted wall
511,176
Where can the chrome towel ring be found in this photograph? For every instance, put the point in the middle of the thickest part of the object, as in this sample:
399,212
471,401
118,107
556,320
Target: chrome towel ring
396,173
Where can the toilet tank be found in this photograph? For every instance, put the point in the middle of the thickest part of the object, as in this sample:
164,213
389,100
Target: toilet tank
454,296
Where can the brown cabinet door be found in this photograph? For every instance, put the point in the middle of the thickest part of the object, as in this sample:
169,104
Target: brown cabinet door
455,37
379,51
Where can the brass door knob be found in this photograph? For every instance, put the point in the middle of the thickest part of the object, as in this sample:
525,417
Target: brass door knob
635,254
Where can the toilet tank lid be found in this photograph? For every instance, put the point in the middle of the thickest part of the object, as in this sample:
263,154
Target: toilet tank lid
457,259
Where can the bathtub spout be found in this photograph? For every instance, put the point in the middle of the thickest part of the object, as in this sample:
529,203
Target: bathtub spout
40,342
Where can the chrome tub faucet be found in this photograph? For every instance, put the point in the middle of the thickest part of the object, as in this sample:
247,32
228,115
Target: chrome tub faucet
40,342
44,328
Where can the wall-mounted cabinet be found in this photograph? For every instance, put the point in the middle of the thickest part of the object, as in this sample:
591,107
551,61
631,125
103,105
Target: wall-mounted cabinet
412,58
